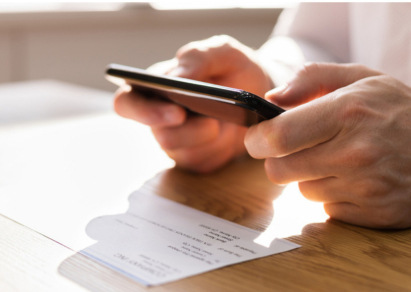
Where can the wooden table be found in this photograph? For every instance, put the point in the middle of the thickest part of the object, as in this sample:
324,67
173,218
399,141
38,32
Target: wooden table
334,256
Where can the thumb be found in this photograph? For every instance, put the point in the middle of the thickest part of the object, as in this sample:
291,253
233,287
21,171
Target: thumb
315,80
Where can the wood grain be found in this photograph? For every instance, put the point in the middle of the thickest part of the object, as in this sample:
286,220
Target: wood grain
334,256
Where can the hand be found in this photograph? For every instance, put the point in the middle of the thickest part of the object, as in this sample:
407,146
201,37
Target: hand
200,144
350,148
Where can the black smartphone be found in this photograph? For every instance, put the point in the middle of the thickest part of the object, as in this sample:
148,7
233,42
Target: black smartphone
223,103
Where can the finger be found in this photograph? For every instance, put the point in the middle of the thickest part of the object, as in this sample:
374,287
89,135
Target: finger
152,112
393,216
196,131
360,215
361,188
348,212
355,161
307,165
355,202
209,58
317,79
326,190
163,67
294,130
208,157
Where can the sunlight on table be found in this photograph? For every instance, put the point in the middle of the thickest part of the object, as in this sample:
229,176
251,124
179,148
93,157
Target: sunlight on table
291,215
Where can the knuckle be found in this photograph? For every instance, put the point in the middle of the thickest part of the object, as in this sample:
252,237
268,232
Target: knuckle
223,39
189,52
202,46
361,71
310,69
192,50
226,47
309,190
355,108
361,154
274,172
387,85
276,138
370,189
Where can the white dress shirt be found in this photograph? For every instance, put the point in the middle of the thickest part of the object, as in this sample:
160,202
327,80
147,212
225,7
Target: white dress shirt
377,35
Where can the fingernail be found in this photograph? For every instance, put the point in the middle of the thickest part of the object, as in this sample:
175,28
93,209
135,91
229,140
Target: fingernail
278,90
276,93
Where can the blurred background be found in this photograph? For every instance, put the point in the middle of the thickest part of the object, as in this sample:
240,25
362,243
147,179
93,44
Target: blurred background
73,42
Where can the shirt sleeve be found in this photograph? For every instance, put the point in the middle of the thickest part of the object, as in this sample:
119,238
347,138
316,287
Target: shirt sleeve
311,32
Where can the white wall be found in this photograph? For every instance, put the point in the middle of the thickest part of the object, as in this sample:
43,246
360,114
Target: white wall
76,46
